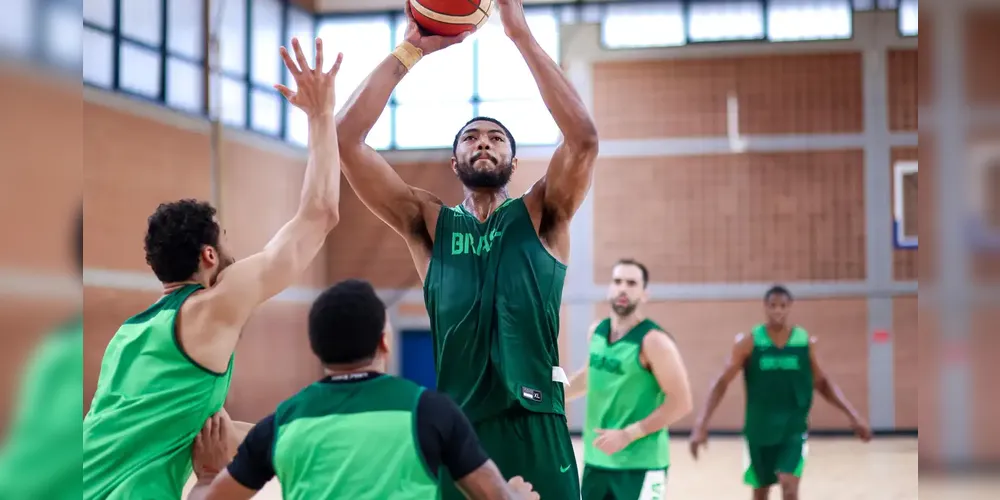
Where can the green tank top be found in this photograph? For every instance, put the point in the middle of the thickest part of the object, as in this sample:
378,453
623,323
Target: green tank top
360,439
779,388
151,402
620,392
493,294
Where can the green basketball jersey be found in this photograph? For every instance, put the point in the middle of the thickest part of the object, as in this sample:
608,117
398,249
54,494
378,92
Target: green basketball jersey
779,387
35,461
151,402
620,392
355,440
493,293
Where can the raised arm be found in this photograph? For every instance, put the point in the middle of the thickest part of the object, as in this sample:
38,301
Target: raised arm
378,186
833,395
734,365
571,169
252,281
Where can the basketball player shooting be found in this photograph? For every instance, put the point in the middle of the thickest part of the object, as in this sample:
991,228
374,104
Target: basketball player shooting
167,369
781,370
492,267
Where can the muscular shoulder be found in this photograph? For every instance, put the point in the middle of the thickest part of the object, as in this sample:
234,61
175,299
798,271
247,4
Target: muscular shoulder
658,340
743,342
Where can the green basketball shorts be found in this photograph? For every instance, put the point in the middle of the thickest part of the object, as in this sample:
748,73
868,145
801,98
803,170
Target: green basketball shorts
535,446
608,484
764,463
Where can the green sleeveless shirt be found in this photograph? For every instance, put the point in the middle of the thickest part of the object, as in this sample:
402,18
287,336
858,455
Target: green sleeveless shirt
620,392
779,388
355,440
151,402
493,294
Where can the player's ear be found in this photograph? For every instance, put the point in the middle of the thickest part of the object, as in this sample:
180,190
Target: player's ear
454,165
209,255
513,164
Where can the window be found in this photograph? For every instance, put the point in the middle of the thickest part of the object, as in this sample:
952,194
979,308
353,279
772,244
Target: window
298,126
430,126
139,71
99,13
185,33
62,35
654,24
141,21
864,4
726,20
908,17
266,33
185,85
98,58
528,120
502,72
380,136
233,95
790,20
364,41
442,76
266,110
300,25
232,36
887,4
16,26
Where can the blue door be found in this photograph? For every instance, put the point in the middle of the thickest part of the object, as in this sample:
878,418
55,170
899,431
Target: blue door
418,357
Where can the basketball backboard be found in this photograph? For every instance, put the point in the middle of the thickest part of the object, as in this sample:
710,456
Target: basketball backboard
904,195
983,210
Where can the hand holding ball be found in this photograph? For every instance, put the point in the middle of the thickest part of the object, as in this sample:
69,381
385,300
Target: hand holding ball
450,17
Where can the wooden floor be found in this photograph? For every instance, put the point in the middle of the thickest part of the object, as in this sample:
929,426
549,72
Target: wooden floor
836,469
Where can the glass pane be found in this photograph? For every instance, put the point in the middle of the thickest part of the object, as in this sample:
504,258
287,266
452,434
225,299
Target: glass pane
655,24
908,17
16,26
364,41
864,4
185,85
99,12
185,33
98,58
232,39
266,111
141,21
234,104
380,135
790,20
529,121
426,81
502,71
427,126
267,63
887,4
140,70
298,126
62,34
300,25
722,20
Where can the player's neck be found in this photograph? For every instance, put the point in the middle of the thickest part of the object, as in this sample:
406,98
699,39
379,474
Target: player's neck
374,366
778,330
482,203
621,325
169,288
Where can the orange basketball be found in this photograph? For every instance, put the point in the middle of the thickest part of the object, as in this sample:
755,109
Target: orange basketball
450,17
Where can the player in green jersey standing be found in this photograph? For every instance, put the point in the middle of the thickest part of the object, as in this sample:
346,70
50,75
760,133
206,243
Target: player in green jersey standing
636,386
493,267
781,371
167,369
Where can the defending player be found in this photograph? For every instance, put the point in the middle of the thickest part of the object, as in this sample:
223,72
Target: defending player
357,434
167,369
493,267
781,371
636,386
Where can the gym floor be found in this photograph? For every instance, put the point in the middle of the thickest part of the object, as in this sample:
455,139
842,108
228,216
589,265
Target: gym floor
836,469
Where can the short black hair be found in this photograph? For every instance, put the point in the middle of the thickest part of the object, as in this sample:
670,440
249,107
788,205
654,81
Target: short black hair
176,234
510,137
346,323
777,290
642,267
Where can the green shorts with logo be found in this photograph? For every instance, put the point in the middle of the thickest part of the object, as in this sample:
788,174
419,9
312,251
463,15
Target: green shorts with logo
609,484
535,446
763,463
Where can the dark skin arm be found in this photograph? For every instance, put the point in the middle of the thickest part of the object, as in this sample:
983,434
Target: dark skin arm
734,365
555,197
832,394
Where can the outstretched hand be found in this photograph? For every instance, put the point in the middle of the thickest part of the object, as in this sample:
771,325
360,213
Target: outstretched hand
425,42
515,24
314,88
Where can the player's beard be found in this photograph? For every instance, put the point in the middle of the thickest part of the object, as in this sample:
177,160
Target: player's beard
473,178
623,310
